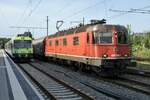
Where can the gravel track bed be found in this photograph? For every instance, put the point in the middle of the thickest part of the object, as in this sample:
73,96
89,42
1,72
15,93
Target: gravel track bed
133,85
133,95
60,75
37,87
138,78
52,86
138,71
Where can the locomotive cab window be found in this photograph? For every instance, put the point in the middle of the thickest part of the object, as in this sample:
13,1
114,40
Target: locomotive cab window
22,43
122,38
27,43
103,38
75,40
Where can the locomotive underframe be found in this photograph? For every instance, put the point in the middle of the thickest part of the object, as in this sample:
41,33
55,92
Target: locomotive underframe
82,59
114,66
22,56
108,65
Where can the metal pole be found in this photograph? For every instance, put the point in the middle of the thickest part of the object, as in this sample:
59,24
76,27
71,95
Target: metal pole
83,20
47,25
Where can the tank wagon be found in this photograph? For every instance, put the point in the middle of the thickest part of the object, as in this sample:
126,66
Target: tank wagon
39,47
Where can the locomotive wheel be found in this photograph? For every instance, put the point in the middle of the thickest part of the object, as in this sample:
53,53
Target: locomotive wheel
73,66
80,67
64,62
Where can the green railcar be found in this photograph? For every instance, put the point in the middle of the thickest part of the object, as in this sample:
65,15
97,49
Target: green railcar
20,48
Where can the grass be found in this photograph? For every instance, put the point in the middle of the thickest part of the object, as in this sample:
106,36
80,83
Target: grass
143,53
144,62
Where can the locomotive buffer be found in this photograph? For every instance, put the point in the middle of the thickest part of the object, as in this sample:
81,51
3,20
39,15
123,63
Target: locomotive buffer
13,84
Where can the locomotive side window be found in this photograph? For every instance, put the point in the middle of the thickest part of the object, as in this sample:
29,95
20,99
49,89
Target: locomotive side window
88,38
50,42
64,41
103,38
93,38
56,42
75,41
122,38
60,41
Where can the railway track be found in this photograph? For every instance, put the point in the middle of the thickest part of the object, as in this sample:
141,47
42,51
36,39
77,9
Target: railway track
125,82
102,90
134,85
131,84
121,81
40,90
53,87
94,87
138,72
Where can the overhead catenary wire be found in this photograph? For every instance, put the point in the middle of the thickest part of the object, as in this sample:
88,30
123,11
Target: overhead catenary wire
4,17
91,6
106,9
25,18
27,27
132,11
32,10
141,10
35,7
24,11
126,12
62,9
68,4
84,9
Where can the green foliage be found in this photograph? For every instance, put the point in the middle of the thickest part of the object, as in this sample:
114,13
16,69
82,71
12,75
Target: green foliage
143,53
147,40
137,40
141,45
3,41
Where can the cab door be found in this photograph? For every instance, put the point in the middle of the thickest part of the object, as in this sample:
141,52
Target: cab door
89,47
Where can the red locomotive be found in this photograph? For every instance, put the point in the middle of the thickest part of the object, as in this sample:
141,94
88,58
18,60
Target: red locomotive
96,46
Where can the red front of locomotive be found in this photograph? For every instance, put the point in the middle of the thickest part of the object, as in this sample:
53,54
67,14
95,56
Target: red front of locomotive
110,45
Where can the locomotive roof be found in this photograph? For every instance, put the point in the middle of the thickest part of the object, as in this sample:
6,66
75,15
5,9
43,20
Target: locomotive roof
23,38
89,28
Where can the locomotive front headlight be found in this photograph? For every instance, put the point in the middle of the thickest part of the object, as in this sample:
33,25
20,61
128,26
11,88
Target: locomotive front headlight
105,55
126,55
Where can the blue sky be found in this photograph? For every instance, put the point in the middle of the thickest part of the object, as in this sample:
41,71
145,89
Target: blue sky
34,12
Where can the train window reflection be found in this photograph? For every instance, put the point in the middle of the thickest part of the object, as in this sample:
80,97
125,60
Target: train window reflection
22,43
103,38
64,41
75,41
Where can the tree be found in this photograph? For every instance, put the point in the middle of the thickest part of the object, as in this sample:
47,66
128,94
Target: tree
147,40
3,41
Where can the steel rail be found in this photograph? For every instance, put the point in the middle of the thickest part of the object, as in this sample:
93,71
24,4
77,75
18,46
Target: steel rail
64,84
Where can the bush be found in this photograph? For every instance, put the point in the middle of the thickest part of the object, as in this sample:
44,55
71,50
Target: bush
142,53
